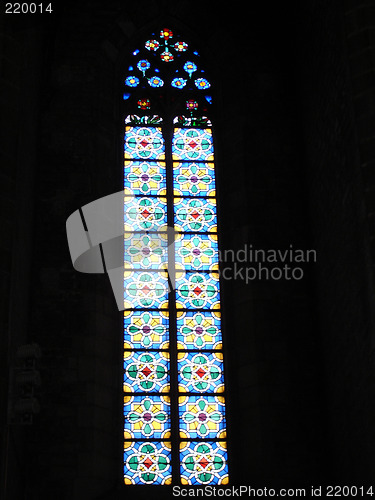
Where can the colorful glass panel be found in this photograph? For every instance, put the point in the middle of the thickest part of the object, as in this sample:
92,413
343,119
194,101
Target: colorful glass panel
181,46
202,417
145,251
145,177
143,120
146,213
166,56
146,371
145,289
178,83
195,215
146,329
166,34
198,330
203,463
147,462
155,81
190,67
144,143
194,179
147,417
192,121
152,45
200,372
132,81
143,65
144,103
202,83
192,144
198,291
197,251
194,332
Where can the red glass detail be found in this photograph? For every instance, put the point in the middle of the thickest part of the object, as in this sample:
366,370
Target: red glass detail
146,289
191,104
192,144
147,462
166,33
144,143
203,462
201,372
166,57
195,214
145,213
146,371
144,104
197,290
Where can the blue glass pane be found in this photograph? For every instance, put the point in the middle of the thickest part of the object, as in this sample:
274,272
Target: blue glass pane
203,463
202,417
200,372
146,213
132,81
198,330
145,177
145,251
145,289
197,251
144,143
194,179
146,329
198,291
178,83
202,84
147,463
195,214
192,144
190,67
146,372
155,81
147,417
143,65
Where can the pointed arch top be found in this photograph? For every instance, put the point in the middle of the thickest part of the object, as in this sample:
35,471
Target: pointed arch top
166,63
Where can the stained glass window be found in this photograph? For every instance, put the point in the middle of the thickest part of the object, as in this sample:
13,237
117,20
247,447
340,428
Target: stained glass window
174,387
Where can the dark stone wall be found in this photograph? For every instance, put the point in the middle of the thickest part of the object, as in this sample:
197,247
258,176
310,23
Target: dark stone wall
293,111
341,235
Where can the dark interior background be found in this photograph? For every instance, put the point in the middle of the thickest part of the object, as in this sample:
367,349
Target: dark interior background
295,148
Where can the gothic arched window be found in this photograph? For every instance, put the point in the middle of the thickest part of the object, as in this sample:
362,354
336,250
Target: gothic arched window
174,397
